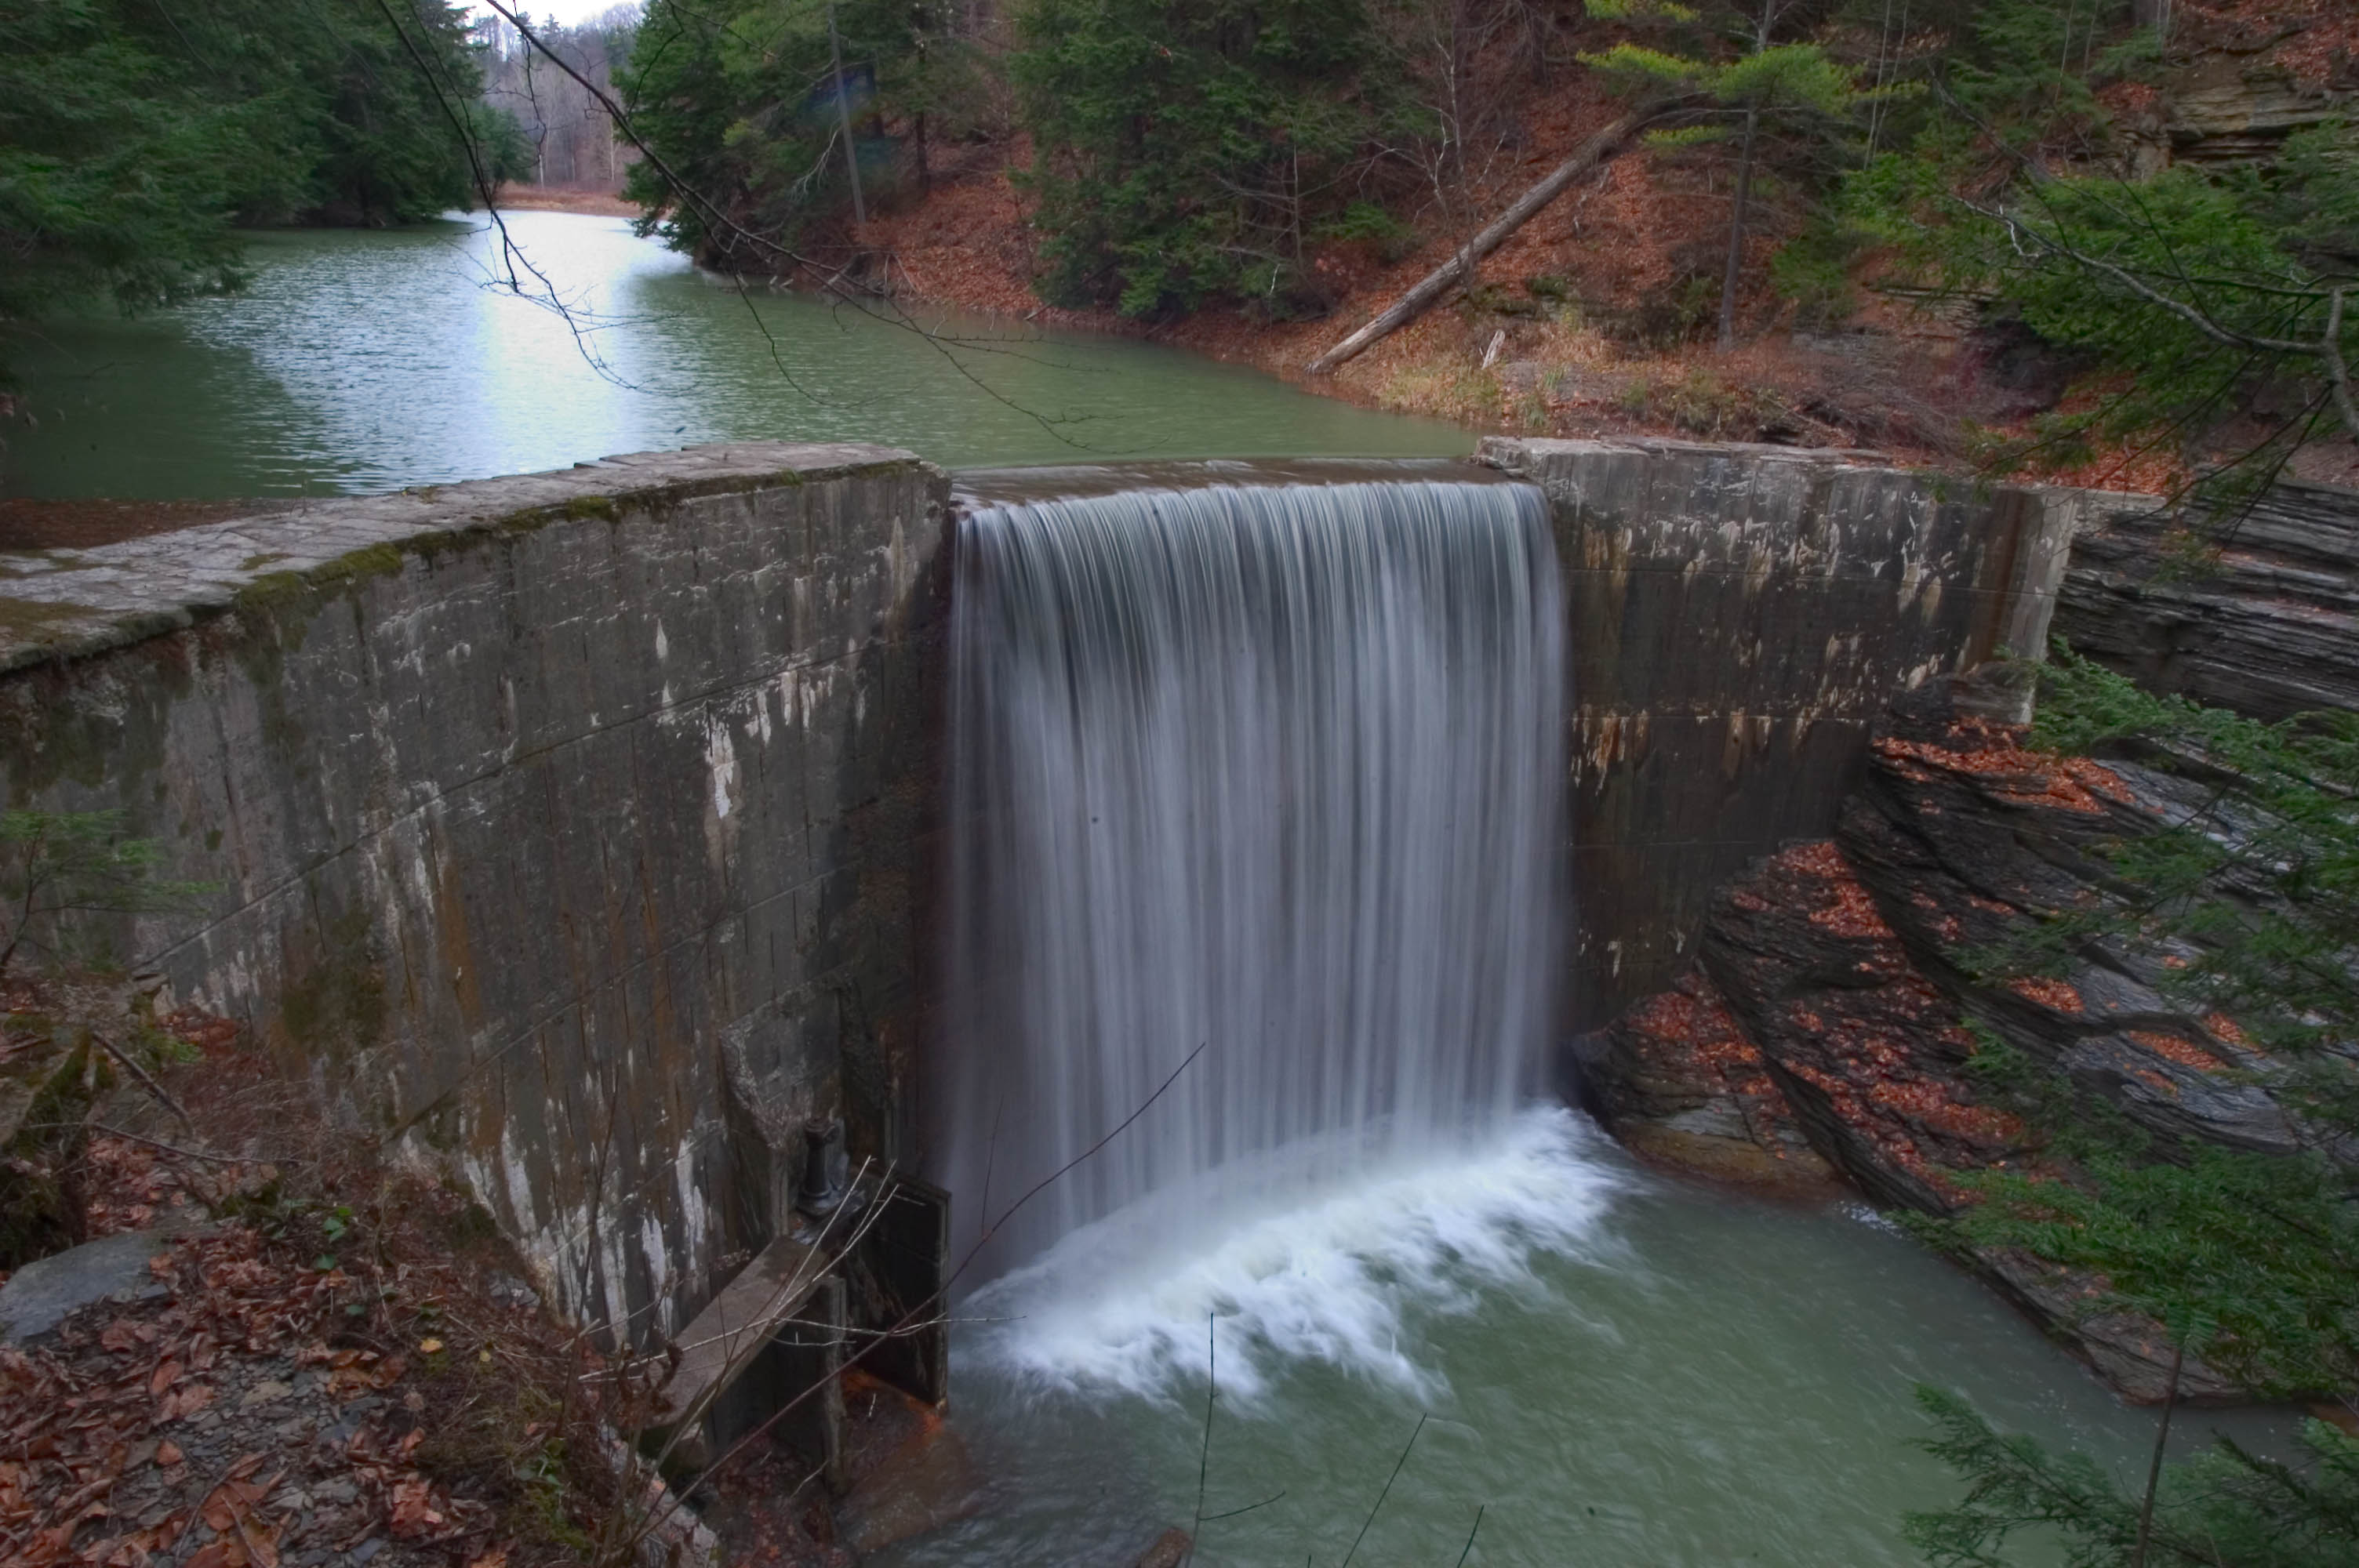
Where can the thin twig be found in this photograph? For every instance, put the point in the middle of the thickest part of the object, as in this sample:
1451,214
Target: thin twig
145,1078
1397,1464
1471,1534
761,1430
1204,1456
101,1127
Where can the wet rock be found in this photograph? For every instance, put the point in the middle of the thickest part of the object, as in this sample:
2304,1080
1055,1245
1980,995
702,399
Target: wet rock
1171,1550
1677,1079
1965,840
2128,1351
1866,1052
929,1482
1836,999
2268,627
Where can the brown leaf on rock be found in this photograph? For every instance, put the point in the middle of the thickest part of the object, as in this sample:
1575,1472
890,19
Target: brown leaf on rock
413,1515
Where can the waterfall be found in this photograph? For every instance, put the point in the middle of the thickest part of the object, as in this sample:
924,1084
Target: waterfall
1274,772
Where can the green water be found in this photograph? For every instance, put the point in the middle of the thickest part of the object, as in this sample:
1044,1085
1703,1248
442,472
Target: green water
365,361
1617,1369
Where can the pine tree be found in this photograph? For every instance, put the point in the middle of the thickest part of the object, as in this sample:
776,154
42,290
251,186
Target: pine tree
2247,1261
135,138
1764,85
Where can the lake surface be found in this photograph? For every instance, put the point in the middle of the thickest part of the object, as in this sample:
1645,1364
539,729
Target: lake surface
361,361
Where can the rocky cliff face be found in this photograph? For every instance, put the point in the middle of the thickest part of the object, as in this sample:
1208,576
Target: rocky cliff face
2266,623
1837,1001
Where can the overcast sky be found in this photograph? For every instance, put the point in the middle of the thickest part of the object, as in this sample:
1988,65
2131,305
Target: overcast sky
566,11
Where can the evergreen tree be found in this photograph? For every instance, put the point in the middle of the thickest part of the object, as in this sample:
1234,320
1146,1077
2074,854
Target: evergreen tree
135,138
1185,152
740,102
2248,1261
1763,87
2204,303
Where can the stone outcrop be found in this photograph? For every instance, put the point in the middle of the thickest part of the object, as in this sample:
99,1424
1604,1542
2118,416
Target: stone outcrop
535,812
1843,968
1680,1082
2238,106
2266,623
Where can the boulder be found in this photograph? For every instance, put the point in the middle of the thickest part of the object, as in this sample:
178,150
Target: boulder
43,1293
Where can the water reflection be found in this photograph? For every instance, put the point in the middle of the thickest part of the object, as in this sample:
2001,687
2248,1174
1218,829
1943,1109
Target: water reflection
361,361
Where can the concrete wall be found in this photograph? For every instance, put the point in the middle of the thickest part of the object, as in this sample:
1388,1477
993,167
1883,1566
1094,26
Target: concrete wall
569,825
1739,615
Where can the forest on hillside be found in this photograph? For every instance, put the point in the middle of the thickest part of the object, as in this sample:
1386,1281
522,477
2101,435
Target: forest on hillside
1818,166
1802,169
554,89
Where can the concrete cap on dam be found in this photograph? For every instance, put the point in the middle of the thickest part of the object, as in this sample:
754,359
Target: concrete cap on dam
61,604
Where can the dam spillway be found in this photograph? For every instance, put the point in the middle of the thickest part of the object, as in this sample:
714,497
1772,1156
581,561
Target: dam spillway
595,835
1258,787
586,830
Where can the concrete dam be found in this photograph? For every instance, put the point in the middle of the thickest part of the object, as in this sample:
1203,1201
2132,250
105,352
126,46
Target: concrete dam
595,835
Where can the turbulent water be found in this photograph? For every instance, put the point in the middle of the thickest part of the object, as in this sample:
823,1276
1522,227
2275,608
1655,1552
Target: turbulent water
1255,792
1329,1273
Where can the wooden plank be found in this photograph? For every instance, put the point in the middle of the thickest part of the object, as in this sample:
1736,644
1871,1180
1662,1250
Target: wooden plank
739,1323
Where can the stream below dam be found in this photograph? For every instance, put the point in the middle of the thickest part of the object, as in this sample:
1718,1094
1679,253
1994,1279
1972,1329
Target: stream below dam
1612,1366
1618,1369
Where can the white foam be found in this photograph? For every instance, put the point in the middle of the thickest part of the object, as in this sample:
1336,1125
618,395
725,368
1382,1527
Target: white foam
1327,1274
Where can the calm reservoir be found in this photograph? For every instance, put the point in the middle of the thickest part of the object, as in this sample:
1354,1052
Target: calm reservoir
360,362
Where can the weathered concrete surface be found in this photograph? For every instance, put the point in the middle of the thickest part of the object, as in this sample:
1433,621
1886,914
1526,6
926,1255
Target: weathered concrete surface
2268,625
521,797
1739,615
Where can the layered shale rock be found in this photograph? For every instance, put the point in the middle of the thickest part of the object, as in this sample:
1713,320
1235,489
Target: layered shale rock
2266,623
1837,996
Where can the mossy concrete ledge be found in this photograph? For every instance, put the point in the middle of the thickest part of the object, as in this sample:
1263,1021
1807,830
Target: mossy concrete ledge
570,829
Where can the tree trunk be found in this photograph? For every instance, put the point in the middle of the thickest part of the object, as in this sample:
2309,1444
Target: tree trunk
1728,279
1437,283
843,118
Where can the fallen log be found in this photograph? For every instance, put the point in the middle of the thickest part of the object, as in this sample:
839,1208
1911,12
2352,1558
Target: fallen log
1437,283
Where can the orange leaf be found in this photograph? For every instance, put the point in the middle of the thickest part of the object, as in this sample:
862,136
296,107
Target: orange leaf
167,1373
411,1513
169,1452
